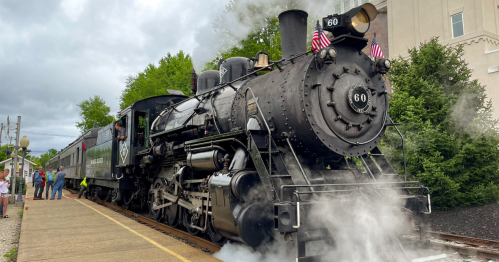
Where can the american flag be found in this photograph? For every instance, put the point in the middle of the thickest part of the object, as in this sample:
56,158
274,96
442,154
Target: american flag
324,42
375,49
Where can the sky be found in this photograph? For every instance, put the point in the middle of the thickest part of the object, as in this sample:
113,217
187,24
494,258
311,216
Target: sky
55,54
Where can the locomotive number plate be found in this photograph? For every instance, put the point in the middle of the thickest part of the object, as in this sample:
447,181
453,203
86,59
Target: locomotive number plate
359,98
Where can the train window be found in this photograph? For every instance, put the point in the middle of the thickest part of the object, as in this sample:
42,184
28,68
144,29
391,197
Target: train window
457,25
77,155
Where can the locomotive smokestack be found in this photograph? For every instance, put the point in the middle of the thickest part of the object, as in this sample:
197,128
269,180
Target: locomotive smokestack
293,25
194,81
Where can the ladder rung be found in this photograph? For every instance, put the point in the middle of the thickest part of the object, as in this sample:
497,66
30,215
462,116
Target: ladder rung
280,176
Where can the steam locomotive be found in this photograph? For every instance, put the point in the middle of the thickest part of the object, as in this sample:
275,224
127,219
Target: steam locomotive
248,154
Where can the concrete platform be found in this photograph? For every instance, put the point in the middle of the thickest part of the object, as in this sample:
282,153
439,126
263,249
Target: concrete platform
80,230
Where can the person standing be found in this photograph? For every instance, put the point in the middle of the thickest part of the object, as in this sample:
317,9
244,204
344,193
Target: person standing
33,176
83,188
4,194
49,182
39,183
59,182
5,173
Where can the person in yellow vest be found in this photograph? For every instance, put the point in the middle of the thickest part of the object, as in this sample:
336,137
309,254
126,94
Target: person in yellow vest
83,188
50,179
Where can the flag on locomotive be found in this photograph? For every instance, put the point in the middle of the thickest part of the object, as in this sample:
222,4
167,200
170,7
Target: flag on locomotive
375,49
323,42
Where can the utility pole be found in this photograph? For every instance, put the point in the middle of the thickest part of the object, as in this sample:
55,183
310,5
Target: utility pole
14,164
1,129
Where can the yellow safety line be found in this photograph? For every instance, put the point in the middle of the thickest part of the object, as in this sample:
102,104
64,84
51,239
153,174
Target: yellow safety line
135,232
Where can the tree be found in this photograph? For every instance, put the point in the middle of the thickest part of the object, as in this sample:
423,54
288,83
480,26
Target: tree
45,157
267,38
452,139
3,154
94,113
172,72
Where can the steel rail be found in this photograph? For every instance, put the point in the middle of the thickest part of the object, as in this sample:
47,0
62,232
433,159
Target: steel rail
204,244
488,254
472,241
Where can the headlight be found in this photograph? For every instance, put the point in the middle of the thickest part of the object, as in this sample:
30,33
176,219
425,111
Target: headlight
360,22
323,53
332,52
388,64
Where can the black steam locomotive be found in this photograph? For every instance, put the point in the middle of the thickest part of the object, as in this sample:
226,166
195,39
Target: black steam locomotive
248,154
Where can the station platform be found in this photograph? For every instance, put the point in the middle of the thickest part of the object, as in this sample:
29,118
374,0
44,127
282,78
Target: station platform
74,229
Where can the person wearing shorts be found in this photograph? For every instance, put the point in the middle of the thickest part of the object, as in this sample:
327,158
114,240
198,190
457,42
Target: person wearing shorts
4,193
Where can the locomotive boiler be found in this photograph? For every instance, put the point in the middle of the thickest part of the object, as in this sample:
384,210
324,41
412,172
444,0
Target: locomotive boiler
249,153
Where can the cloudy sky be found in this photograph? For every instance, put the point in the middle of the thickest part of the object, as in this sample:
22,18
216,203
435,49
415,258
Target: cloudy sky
57,53
54,54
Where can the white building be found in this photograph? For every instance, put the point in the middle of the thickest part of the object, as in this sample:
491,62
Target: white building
28,168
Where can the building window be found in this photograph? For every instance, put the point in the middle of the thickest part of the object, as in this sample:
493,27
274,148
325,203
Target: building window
457,25
355,3
365,1
346,5
337,8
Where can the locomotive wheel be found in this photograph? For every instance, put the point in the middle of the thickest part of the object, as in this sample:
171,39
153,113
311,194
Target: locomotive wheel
187,219
156,214
172,212
214,236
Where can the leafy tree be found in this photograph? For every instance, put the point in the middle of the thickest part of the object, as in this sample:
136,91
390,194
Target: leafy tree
94,113
42,160
172,72
452,139
267,38
3,154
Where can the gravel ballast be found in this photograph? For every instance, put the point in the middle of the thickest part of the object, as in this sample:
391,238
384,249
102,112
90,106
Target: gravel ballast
478,222
10,228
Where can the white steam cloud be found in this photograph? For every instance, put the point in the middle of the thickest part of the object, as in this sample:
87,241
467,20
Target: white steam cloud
234,25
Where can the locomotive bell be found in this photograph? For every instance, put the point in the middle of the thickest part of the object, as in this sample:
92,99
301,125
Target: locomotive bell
262,60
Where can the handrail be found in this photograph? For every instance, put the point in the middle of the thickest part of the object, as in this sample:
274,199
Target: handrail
281,190
299,165
268,129
403,148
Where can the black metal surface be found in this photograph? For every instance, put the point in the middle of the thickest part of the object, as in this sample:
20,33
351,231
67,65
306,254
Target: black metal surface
207,80
293,24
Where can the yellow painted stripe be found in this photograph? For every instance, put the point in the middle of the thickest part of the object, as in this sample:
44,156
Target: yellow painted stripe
136,233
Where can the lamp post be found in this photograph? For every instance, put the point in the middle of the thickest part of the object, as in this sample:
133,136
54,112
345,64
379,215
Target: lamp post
13,174
24,143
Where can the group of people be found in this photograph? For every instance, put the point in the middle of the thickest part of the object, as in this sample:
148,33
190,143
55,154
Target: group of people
54,180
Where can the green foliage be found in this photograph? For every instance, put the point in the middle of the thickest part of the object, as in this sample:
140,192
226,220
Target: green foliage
173,72
94,113
12,255
44,158
451,139
267,38
16,186
20,213
4,156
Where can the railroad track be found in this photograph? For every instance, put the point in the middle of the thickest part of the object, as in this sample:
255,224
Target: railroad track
203,244
468,246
